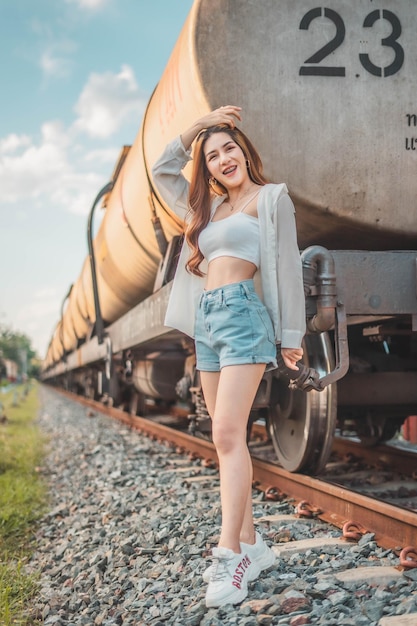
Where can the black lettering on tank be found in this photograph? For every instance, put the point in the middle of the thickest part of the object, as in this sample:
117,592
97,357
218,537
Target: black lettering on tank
330,47
411,142
311,65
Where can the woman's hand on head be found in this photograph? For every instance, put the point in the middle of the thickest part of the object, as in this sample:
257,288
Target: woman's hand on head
228,114
291,356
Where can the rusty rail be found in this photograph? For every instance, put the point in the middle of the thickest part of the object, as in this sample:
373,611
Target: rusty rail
394,527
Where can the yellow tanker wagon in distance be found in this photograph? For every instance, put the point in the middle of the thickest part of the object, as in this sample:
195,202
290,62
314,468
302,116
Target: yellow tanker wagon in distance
329,99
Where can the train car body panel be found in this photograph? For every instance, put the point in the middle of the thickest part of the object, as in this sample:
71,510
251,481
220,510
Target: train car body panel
377,283
338,124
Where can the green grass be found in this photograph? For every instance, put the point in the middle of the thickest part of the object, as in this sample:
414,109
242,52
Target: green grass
22,501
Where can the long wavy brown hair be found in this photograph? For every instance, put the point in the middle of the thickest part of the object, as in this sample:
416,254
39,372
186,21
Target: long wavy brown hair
202,189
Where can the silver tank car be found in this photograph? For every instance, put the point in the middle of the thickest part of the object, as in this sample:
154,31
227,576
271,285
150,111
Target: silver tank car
328,98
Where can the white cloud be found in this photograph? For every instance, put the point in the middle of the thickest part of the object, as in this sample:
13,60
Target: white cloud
107,101
88,4
107,155
58,168
29,173
77,191
56,52
54,65
44,171
13,142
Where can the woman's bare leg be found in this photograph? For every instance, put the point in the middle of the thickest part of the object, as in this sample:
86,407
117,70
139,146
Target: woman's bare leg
229,397
209,384
247,532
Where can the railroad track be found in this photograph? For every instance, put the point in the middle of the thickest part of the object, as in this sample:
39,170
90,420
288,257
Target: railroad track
149,559
394,527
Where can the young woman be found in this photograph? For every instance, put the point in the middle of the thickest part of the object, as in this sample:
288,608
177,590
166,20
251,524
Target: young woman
238,230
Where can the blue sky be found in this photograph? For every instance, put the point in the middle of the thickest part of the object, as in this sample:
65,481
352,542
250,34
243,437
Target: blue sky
75,76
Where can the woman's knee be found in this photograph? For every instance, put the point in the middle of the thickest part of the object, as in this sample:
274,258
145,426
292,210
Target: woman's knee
226,437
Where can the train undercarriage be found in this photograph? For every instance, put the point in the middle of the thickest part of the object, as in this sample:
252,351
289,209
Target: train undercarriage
359,371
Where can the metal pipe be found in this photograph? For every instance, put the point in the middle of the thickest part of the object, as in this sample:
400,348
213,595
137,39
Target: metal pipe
61,330
99,319
320,279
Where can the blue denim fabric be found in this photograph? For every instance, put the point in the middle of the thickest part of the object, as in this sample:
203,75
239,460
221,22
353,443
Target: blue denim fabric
233,327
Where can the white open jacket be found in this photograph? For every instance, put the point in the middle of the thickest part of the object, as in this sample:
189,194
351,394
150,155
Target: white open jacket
279,279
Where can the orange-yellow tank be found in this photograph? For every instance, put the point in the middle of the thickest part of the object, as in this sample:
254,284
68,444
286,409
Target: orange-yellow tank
328,98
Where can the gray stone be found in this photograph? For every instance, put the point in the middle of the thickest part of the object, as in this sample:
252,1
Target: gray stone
124,544
373,609
339,597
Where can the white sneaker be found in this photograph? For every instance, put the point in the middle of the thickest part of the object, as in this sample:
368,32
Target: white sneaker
229,578
260,555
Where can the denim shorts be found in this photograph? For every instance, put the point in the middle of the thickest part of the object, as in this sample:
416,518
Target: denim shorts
233,327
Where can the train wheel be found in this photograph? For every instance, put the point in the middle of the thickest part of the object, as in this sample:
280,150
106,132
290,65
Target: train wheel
302,423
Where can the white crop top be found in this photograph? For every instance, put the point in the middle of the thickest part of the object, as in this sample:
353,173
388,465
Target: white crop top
237,236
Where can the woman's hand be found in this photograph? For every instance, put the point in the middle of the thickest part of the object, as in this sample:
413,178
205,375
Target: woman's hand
229,115
223,115
291,356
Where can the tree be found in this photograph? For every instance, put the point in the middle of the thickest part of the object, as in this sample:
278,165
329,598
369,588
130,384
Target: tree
17,347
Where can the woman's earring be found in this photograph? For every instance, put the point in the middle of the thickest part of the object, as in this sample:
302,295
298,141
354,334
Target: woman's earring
248,164
212,181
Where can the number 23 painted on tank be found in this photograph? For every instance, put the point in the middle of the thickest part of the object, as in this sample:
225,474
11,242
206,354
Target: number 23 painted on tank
391,41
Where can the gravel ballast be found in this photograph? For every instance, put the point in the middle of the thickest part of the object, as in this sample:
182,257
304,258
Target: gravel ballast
130,525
